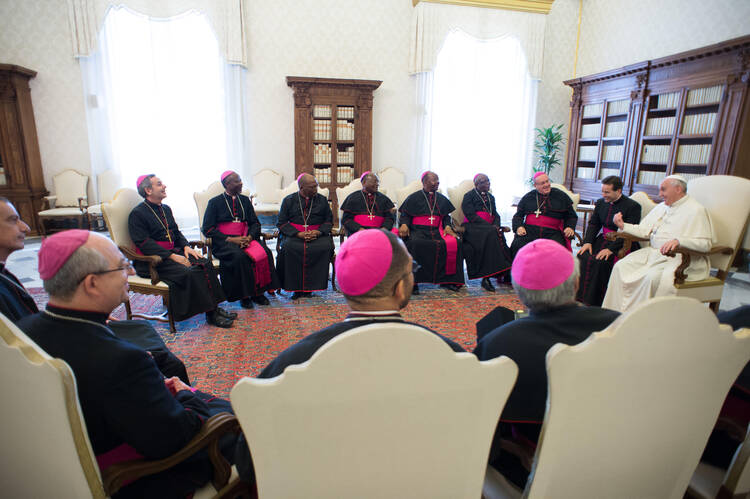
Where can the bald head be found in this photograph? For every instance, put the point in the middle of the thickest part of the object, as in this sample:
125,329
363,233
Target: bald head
370,182
482,182
308,185
430,181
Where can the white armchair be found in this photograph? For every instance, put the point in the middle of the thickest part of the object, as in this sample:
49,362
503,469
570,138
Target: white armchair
341,194
391,180
70,199
107,182
266,198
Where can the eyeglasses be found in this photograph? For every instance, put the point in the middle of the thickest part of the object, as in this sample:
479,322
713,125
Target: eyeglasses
124,265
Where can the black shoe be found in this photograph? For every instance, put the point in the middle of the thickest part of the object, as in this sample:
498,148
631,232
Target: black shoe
218,320
224,313
415,289
297,295
246,303
260,300
486,284
451,287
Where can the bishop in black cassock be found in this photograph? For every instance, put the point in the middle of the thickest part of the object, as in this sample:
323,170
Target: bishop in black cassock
486,252
597,255
192,289
545,212
305,243
247,268
368,208
425,219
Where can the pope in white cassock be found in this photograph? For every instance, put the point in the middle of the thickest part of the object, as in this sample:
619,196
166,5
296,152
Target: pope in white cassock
678,221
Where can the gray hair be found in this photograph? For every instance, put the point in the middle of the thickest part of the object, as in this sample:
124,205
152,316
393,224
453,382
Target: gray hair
84,261
542,299
145,183
680,183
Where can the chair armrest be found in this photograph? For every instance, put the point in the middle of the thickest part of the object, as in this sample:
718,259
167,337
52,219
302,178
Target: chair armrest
679,273
505,228
213,429
269,235
153,261
629,239
83,203
50,200
335,232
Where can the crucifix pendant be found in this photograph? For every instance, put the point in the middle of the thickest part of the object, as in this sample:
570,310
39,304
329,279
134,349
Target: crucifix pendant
305,226
537,213
236,219
370,217
432,219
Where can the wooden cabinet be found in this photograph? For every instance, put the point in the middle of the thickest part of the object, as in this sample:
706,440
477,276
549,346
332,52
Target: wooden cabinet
332,129
21,178
685,114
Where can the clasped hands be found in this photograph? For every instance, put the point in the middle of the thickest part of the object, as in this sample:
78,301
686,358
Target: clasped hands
567,232
241,241
604,254
309,235
185,260
403,231
175,384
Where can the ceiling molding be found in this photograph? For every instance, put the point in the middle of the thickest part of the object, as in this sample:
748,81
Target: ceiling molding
535,6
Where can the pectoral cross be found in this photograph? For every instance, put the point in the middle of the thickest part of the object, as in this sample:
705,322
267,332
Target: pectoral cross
370,217
305,226
537,213
236,219
431,219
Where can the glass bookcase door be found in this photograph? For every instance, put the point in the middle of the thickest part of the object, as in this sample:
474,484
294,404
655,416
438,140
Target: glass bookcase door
322,140
588,141
658,137
695,140
613,138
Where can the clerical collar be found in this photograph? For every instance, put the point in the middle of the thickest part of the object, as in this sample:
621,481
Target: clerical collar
78,315
679,202
360,315
151,204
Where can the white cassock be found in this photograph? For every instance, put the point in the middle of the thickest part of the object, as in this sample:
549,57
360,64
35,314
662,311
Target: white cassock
646,272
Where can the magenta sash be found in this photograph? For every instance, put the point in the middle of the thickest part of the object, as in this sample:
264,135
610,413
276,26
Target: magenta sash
167,245
484,215
119,454
254,250
301,228
549,223
451,244
366,221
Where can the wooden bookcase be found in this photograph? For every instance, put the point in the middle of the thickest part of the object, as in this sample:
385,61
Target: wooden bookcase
332,130
687,114
21,178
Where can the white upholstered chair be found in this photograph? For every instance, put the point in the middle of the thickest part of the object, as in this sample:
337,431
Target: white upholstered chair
709,482
70,199
381,411
575,197
107,183
266,200
43,439
341,194
630,409
405,191
647,204
456,195
391,180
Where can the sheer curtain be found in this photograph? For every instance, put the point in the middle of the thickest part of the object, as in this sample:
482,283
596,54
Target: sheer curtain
161,99
482,112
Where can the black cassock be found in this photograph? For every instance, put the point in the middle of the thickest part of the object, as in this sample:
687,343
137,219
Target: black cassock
556,204
303,266
16,303
368,209
485,249
238,270
425,243
193,289
125,402
595,273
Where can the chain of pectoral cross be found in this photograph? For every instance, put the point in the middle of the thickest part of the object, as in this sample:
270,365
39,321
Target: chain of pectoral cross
431,208
538,206
370,209
305,218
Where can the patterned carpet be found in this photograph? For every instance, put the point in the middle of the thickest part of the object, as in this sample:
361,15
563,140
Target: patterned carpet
216,358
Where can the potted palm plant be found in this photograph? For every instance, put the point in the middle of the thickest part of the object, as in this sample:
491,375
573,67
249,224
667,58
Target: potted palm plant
547,146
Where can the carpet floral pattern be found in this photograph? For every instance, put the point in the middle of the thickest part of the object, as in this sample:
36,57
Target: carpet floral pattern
216,358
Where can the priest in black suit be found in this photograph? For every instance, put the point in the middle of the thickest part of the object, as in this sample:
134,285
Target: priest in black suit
368,208
544,212
305,243
597,255
425,220
247,269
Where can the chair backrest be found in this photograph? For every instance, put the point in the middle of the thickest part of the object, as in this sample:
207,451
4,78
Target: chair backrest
45,447
116,214
391,180
456,195
379,411
727,200
631,408
69,186
737,479
343,192
107,182
576,198
267,184
647,204
289,189
404,192
202,198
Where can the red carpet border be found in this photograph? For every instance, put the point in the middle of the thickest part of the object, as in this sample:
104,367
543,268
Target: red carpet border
216,358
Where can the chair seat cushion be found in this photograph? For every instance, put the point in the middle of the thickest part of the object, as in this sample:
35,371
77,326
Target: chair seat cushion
61,212
95,209
146,282
267,208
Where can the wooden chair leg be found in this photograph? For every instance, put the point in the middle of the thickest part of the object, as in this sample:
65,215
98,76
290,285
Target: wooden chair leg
333,271
168,303
714,306
128,311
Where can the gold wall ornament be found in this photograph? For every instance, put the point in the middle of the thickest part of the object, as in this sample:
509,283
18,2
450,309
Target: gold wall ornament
535,6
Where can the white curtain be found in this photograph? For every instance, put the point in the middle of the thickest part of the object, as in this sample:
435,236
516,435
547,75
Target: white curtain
482,112
161,99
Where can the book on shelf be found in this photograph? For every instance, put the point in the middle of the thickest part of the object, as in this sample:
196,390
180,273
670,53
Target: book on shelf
321,111
344,130
615,129
606,172
323,175
590,131
691,176
666,101
585,173
587,153
612,153
692,154
704,96
654,153
593,110
321,130
344,174
321,153
345,156
346,112
617,107
651,178
660,126
699,124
